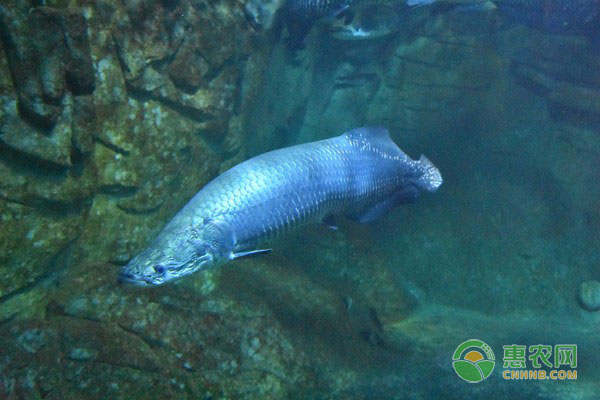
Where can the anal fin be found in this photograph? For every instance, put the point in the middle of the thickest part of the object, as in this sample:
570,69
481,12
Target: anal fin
408,194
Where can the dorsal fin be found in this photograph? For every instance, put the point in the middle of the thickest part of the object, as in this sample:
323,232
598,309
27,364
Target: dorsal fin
373,132
378,137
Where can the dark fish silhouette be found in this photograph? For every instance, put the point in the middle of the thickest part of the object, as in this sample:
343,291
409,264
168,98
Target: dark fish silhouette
301,15
553,15
550,15
369,21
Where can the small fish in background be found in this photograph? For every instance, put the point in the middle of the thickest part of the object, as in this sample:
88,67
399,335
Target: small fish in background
301,15
548,15
348,302
553,15
369,22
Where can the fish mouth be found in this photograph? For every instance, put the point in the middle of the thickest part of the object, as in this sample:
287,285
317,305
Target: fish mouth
126,278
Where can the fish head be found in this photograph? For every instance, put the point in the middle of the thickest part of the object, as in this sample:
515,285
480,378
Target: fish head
180,252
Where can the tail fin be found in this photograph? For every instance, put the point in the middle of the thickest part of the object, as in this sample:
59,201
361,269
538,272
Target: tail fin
430,179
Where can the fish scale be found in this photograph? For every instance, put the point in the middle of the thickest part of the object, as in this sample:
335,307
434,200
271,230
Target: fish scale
273,201
360,174
313,176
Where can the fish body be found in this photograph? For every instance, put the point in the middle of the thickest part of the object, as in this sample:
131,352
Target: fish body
314,9
301,15
553,15
550,15
361,175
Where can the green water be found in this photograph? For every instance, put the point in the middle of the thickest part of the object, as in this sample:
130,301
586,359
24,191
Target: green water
113,114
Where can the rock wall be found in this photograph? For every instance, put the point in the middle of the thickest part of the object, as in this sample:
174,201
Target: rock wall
108,110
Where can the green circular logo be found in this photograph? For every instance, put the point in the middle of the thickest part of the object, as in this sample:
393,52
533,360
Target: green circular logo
473,360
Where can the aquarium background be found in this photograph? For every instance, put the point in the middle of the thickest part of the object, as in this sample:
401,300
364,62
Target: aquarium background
114,113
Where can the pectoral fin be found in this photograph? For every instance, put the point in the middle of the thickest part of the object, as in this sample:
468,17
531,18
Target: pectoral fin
337,11
250,253
329,222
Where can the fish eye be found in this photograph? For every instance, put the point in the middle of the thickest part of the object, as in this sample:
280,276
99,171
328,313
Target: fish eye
159,269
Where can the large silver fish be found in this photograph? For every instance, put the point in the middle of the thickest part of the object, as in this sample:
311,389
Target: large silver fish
361,174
